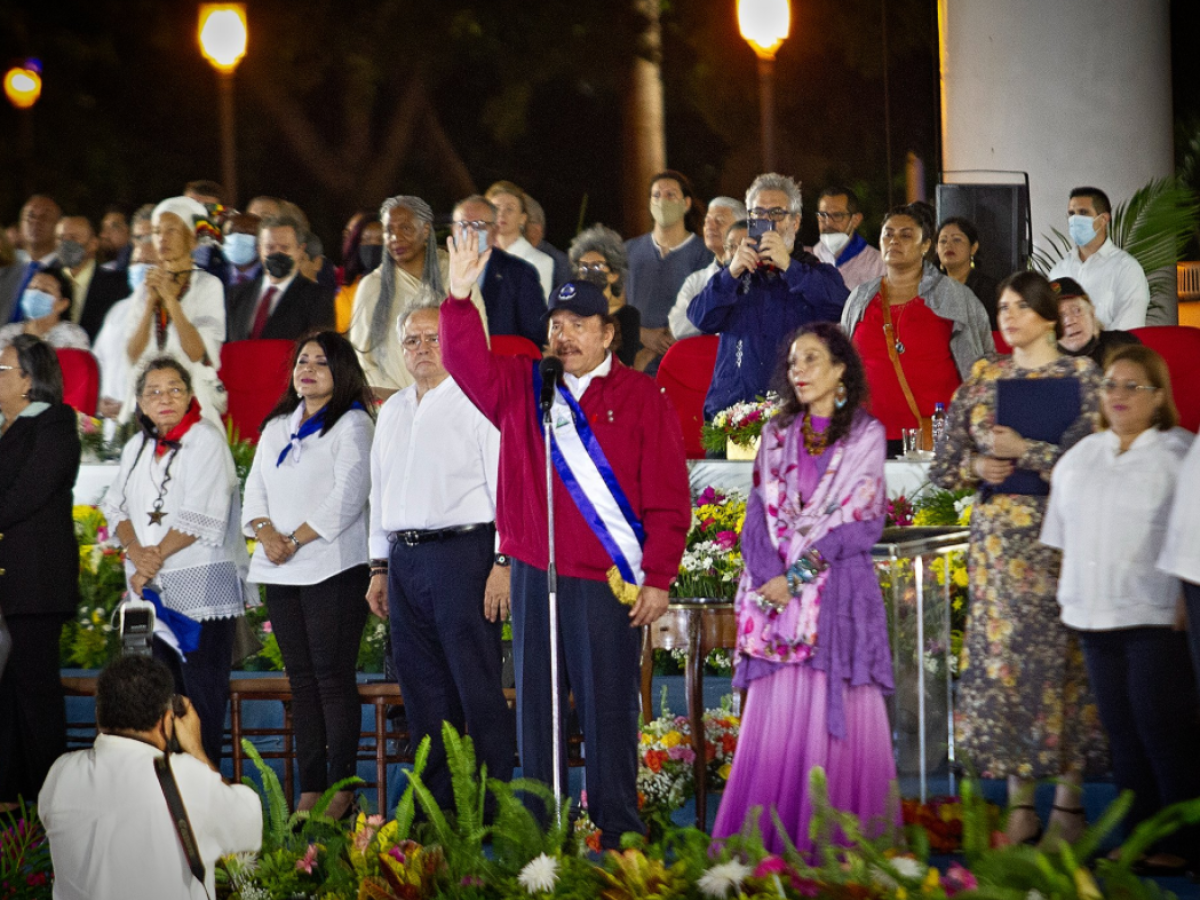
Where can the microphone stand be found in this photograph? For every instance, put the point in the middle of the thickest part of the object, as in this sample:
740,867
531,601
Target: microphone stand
552,582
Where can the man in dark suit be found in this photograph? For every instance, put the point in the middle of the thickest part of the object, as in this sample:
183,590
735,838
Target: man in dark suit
94,289
39,215
281,303
511,288
535,233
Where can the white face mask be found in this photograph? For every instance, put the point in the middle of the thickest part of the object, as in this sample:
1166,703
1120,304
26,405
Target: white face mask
835,242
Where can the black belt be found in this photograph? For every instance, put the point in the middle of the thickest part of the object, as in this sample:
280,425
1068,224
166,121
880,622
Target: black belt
416,536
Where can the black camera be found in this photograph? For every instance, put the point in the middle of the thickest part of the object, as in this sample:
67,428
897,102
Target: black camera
136,627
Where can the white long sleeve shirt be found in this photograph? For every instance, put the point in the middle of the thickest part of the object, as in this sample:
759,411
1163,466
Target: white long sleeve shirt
325,484
1108,513
681,326
433,464
1181,550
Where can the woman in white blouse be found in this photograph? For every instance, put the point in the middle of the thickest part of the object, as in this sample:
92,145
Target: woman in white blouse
306,503
1110,503
177,513
179,311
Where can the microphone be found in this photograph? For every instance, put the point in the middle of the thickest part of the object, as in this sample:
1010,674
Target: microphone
551,370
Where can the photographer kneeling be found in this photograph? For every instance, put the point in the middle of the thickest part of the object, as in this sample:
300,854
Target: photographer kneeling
106,815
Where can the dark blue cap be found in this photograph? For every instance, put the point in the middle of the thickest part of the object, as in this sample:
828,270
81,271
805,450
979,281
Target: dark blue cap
580,297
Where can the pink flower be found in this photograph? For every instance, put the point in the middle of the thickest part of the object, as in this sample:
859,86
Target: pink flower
958,878
583,794
727,540
266,627
679,751
305,864
398,855
102,534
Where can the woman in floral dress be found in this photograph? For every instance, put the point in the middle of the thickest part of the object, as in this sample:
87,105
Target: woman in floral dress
1024,709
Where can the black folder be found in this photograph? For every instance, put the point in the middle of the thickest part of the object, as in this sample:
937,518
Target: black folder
1038,409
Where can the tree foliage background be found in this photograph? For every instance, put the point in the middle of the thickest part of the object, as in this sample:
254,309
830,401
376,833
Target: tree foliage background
342,104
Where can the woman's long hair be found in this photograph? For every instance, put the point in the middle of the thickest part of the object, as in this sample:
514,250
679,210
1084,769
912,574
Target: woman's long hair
349,381
854,378
38,360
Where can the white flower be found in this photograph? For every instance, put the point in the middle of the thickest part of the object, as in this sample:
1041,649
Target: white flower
720,879
905,867
1035,895
540,874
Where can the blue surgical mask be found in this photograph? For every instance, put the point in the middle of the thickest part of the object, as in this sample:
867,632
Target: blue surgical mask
137,275
37,304
240,249
1082,228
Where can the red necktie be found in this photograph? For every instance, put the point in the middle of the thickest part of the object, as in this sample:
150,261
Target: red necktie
264,311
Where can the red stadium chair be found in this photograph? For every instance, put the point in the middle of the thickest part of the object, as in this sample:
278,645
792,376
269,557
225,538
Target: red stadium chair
685,373
81,379
514,345
1179,345
255,374
1001,344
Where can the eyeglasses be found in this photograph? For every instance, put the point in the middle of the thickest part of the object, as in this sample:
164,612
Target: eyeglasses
9,368
174,393
775,213
1109,386
413,341
585,267
476,224
833,216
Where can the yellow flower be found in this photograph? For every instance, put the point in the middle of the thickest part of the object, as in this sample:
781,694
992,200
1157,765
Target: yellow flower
932,881
672,739
725,770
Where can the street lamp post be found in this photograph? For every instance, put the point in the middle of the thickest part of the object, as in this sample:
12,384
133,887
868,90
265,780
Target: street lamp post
223,34
765,25
23,87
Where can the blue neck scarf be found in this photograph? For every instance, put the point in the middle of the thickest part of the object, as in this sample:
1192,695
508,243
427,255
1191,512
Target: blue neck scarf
311,426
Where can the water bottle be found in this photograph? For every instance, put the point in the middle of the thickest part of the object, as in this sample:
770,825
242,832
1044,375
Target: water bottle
938,424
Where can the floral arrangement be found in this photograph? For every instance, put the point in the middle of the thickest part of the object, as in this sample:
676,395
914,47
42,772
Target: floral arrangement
712,558
941,818
91,437
90,639
306,855
742,423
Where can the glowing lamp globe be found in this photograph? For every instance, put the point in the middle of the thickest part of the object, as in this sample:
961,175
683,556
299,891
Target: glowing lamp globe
22,86
764,24
223,34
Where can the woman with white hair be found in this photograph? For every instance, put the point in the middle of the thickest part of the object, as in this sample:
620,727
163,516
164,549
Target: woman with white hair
413,261
179,311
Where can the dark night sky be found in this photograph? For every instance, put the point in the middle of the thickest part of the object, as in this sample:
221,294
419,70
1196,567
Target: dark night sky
531,92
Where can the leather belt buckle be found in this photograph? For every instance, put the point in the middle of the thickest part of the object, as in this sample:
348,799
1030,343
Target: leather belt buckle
410,538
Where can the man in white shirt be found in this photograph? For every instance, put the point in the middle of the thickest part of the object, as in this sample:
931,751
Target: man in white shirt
722,212
434,569
110,831
840,244
1112,278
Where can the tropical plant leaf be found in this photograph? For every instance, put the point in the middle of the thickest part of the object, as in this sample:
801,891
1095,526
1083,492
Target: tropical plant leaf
275,808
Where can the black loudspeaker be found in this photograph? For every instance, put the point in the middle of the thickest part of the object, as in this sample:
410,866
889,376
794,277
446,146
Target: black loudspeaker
1001,214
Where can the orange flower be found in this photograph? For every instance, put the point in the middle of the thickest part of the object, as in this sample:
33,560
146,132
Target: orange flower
655,760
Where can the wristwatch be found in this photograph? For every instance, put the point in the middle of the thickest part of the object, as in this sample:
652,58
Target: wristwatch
295,540
503,559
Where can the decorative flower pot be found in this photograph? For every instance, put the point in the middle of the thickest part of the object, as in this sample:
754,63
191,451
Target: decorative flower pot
741,451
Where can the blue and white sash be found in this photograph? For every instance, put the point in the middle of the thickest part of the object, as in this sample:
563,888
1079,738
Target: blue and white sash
589,479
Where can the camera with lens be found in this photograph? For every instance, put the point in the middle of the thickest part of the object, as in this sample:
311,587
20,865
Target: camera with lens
136,627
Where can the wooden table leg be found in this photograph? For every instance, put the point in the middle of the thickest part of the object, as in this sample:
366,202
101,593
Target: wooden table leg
235,734
695,703
647,673
381,755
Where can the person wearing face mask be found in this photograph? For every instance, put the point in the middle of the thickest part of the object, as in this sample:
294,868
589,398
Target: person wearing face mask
93,289
362,252
109,346
770,288
240,250
279,304
840,244
43,304
598,255
1081,333
722,213
660,261
1113,279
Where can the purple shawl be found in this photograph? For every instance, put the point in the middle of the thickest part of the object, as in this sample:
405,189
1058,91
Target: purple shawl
837,625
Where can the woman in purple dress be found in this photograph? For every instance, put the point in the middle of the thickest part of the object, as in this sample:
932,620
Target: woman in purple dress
812,632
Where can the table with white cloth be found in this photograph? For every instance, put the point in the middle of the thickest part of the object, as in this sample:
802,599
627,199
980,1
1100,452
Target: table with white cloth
903,476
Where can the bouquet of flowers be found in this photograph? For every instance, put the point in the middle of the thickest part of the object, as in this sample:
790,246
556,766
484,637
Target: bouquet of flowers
712,561
721,727
742,423
91,437
665,779
90,640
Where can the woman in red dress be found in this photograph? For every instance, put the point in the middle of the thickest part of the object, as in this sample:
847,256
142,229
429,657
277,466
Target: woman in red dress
916,321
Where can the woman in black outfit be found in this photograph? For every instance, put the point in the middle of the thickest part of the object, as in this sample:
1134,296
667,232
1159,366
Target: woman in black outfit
598,255
39,560
956,246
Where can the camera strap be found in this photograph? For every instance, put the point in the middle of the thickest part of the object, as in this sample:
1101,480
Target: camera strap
179,816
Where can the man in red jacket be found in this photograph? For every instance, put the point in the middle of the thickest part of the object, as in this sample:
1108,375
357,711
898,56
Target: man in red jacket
617,441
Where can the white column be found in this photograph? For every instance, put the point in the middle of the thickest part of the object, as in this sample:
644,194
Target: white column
1074,92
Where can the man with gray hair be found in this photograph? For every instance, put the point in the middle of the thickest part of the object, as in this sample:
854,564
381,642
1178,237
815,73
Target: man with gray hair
434,567
535,233
280,304
413,260
722,212
770,288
